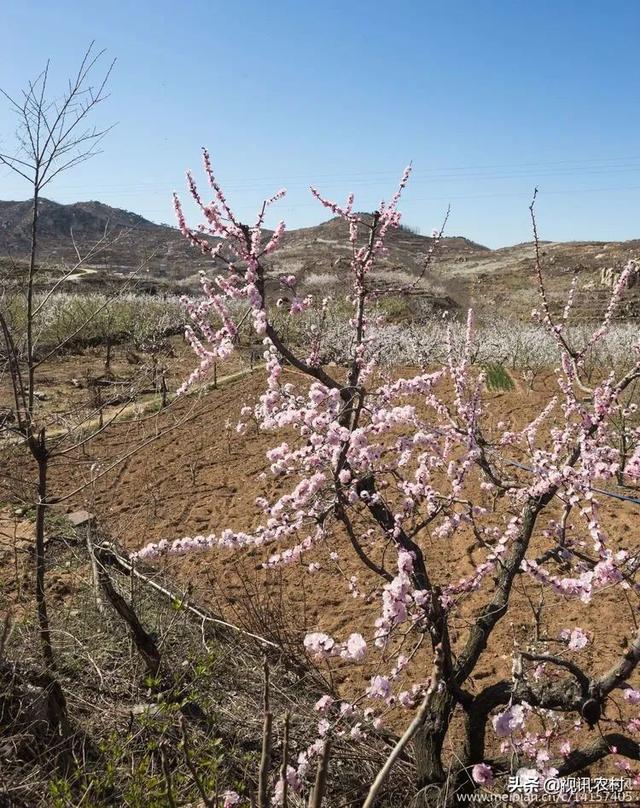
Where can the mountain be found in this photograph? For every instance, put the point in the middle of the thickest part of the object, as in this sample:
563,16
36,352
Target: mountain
125,241
57,221
460,273
130,241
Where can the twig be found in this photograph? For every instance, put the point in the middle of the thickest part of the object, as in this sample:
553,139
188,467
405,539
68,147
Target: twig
409,733
145,644
94,571
190,765
6,631
283,766
582,678
265,760
166,770
109,556
320,785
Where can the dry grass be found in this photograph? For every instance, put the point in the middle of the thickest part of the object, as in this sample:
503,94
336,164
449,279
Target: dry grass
121,721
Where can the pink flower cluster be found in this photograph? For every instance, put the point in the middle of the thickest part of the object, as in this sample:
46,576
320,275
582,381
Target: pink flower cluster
321,646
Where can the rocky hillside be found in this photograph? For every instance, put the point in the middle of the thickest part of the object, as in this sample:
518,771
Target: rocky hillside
463,272
86,219
127,241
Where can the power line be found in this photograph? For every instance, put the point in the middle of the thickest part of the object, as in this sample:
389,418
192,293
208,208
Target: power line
460,197
495,172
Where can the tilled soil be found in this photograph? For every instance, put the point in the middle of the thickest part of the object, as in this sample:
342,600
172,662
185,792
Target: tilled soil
193,474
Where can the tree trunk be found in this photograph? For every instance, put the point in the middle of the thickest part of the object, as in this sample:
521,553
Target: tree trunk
107,358
431,776
41,597
30,284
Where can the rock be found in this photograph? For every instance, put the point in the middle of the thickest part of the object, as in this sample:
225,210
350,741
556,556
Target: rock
151,710
80,518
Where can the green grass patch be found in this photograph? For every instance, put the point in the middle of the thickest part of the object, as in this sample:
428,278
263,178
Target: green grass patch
498,377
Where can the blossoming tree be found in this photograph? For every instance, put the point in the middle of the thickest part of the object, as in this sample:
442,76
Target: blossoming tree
403,465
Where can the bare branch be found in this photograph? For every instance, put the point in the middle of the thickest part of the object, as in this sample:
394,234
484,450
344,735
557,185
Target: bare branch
411,730
611,743
622,670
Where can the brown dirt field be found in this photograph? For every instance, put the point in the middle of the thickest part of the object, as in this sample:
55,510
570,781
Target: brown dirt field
200,477
63,380
203,477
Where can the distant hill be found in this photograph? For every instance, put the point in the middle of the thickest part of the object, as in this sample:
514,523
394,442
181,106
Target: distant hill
129,239
462,273
57,221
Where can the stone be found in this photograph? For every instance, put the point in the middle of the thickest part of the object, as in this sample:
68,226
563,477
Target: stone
80,518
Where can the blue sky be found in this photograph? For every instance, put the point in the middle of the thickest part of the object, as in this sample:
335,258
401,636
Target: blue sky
487,97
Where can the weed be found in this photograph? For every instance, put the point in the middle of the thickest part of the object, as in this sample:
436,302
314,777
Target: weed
498,377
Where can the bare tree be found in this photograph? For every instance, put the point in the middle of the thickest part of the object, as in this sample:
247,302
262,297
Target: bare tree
53,135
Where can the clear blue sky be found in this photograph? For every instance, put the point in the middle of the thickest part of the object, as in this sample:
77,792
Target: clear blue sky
488,98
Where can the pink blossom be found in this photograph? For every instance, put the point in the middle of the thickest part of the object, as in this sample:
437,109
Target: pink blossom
379,687
482,774
576,638
323,705
406,699
346,709
633,464
323,727
318,644
509,721
356,647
